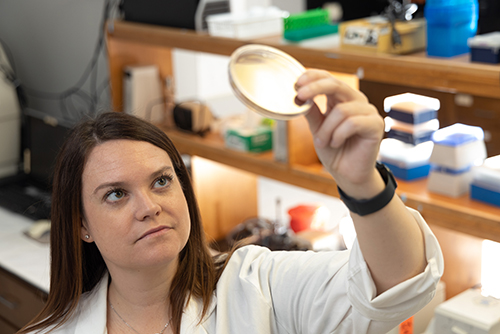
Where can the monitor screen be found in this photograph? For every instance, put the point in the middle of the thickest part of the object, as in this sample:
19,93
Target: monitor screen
43,137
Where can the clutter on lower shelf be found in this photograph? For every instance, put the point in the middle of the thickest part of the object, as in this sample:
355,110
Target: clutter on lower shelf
258,139
457,148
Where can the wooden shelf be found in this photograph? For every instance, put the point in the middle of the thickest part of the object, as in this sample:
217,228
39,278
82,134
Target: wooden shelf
212,147
455,74
460,214
130,43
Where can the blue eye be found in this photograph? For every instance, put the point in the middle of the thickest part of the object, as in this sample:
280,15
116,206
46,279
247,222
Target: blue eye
162,181
115,195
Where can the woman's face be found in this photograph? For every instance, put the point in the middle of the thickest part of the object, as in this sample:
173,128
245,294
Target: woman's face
134,208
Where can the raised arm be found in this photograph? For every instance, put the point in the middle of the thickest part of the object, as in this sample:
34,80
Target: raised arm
347,139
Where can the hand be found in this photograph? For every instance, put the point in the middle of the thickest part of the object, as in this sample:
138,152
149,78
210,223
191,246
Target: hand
347,137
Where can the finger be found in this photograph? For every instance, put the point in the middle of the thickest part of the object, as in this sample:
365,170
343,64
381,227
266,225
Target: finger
367,127
313,83
314,118
333,88
311,75
338,115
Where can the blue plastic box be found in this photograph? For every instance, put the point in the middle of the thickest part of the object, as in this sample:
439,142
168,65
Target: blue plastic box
484,194
486,184
410,138
408,173
416,117
449,26
485,48
406,161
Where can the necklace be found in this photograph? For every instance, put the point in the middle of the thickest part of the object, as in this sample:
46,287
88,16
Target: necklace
132,328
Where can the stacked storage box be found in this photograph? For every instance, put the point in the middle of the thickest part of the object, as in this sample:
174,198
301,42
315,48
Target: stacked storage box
409,126
485,186
456,149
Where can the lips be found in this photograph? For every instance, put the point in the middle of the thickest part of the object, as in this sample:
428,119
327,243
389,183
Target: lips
154,230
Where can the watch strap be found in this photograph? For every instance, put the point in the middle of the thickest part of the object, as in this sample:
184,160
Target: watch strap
367,206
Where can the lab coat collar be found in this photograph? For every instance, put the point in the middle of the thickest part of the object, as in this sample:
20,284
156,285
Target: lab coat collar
92,310
91,316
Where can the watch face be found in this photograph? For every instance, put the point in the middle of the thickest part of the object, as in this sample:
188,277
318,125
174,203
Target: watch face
264,78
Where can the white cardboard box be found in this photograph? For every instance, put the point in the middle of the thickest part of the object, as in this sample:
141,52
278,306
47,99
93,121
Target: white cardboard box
142,92
257,22
452,185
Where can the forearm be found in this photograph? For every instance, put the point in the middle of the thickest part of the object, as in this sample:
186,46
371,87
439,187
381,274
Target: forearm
390,239
347,138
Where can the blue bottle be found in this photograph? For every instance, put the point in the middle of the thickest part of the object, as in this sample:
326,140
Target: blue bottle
449,24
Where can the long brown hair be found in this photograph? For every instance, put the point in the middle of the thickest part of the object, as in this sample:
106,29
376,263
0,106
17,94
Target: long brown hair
77,266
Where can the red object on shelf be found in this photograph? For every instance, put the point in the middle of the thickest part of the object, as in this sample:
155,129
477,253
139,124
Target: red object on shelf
302,216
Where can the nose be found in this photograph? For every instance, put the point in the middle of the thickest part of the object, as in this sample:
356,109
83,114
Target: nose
147,206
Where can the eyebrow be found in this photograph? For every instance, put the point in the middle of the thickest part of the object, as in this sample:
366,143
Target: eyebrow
120,184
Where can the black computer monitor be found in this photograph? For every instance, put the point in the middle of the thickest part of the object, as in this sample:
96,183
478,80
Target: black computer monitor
43,137
172,13
29,192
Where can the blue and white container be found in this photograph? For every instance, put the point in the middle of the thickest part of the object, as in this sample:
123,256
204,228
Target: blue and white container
457,148
485,186
410,133
485,48
450,23
411,108
449,182
406,161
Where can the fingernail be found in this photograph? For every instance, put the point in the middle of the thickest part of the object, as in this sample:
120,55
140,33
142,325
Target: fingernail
302,77
301,92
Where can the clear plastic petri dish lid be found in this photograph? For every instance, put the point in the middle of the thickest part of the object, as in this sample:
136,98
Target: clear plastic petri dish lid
264,78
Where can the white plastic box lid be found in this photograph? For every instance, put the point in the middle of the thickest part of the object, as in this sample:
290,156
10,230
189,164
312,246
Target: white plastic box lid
488,174
486,41
405,155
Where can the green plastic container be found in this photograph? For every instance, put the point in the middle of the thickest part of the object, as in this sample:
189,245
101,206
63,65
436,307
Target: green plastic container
309,24
307,19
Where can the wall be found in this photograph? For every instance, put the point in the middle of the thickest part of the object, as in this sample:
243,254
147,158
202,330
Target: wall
52,42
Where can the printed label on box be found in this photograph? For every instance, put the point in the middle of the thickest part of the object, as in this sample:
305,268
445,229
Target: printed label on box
356,35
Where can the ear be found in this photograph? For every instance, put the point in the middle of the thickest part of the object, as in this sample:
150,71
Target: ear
84,233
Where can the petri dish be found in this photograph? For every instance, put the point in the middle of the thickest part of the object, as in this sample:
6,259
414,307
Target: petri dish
263,78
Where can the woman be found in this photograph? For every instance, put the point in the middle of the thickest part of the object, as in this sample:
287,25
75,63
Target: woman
129,255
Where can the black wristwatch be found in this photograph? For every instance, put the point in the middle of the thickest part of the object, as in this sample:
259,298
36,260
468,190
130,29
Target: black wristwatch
366,206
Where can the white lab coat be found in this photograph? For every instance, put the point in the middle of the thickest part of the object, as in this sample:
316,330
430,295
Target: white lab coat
291,292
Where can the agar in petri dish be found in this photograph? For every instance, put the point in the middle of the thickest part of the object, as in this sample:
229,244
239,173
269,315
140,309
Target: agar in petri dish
263,78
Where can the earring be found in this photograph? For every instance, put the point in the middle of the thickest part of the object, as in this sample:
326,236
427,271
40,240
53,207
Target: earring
87,236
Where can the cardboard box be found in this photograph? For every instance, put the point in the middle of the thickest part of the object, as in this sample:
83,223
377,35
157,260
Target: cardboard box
374,34
257,139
